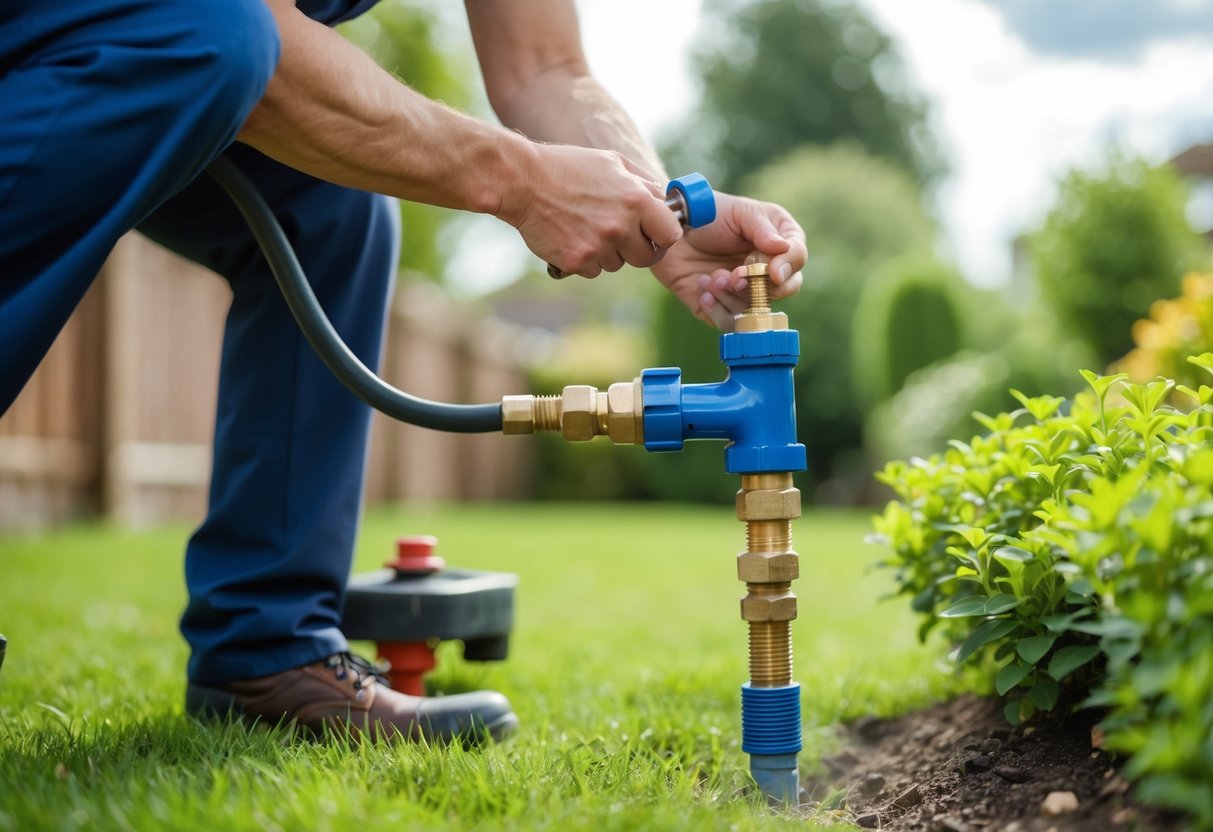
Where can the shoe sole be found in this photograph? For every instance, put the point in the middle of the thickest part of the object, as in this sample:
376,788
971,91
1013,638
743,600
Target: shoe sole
212,704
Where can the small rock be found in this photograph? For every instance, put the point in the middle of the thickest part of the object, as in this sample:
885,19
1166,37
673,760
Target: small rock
1122,816
971,746
1013,774
1058,803
975,764
872,784
868,821
909,798
950,824
990,746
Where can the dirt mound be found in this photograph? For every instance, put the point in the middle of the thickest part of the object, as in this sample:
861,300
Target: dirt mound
958,766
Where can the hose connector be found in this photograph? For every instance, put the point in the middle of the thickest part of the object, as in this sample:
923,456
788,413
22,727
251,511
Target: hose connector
579,414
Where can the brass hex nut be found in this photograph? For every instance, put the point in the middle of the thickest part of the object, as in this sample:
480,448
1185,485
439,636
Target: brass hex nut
578,416
624,425
516,415
768,504
759,321
769,607
768,567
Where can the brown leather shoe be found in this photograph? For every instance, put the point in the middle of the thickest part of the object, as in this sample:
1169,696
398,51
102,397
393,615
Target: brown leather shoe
346,695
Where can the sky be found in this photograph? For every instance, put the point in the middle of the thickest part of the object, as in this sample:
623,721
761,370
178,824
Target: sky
1020,91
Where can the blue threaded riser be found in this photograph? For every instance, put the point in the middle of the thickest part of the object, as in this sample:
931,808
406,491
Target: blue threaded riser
770,720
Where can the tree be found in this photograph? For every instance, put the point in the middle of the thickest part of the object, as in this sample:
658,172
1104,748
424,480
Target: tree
777,74
1116,240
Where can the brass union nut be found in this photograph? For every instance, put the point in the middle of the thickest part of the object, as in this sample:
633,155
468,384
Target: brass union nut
579,418
516,415
768,567
769,607
768,504
624,414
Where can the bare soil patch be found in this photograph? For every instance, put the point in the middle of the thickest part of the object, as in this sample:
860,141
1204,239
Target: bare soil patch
959,766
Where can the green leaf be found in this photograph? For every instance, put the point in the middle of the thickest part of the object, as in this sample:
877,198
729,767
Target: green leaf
1043,693
1010,676
1001,602
968,606
1061,623
1204,361
1013,553
974,535
983,634
1068,659
1033,649
1010,712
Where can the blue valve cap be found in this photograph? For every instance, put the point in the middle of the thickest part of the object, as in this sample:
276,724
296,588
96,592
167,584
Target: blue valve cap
697,193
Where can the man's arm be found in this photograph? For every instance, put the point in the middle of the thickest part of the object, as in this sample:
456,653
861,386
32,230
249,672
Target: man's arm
330,111
539,82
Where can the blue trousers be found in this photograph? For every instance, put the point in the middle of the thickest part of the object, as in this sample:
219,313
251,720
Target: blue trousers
109,112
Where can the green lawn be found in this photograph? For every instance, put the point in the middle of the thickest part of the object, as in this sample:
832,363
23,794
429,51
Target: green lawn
624,669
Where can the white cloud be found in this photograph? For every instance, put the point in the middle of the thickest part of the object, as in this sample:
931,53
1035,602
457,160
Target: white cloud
1012,121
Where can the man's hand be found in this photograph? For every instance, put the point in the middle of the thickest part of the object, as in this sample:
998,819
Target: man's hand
704,269
589,211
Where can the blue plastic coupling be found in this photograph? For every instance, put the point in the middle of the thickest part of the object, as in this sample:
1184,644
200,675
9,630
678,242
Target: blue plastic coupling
697,196
770,734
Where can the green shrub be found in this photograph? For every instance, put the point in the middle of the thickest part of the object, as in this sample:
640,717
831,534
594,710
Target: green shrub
1116,240
908,317
1070,553
937,403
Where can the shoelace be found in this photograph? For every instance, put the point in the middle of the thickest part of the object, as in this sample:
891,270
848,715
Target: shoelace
365,672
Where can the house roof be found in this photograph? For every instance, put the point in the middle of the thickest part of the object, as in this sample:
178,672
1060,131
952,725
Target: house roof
1197,160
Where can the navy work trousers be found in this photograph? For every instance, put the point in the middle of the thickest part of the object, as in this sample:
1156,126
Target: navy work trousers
109,112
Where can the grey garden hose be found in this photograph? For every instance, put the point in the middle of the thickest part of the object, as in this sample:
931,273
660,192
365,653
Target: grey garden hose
456,418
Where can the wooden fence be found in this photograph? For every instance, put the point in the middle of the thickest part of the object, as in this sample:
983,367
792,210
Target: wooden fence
118,418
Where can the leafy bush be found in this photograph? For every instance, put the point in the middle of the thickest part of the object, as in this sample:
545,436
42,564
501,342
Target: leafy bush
937,402
1117,240
1069,552
909,317
1175,329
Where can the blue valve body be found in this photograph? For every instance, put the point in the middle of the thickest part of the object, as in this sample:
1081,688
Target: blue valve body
698,196
754,408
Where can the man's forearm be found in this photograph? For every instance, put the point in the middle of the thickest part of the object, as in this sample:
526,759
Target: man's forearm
331,112
567,106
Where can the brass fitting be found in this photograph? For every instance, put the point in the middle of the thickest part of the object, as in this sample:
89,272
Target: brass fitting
580,413
759,317
768,503
768,567
769,602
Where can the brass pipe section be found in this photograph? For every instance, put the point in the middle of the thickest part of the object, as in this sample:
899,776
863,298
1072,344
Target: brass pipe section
580,413
767,504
